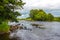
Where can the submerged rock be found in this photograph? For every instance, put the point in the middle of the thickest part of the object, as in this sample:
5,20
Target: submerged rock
38,26
35,25
41,27
14,28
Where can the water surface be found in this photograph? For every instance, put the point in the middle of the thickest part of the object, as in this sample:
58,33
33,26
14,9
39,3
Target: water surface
51,31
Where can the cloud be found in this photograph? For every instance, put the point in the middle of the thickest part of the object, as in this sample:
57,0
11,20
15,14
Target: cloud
52,4
55,12
23,16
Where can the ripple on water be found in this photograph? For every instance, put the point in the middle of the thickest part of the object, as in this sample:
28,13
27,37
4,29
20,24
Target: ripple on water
51,33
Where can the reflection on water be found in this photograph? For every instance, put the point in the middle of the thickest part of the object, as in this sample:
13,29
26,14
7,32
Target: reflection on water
52,31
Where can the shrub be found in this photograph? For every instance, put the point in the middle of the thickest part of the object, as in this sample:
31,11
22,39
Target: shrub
4,27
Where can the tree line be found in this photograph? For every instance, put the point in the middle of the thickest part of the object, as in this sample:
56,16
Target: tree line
41,15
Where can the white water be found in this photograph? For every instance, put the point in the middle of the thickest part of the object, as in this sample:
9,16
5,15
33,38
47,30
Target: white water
52,31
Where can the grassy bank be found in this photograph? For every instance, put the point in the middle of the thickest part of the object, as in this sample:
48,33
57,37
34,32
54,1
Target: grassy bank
4,27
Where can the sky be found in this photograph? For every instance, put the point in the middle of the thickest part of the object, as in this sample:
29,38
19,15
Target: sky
50,6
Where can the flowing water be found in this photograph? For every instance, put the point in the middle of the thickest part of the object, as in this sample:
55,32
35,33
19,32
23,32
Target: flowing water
51,31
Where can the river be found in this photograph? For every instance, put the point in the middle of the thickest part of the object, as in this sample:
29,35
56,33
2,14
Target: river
51,31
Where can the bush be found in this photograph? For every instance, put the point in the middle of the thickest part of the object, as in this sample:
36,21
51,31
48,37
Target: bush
4,27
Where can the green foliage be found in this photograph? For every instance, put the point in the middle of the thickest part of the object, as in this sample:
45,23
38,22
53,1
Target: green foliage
32,12
57,19
50,17
4,27
41,15
7,8
7,12
29,19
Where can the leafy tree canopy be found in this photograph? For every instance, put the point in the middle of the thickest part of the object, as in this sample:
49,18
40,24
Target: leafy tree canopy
50,17
7,8
40,15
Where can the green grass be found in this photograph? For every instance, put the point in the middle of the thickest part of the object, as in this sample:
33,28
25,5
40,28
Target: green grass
4,27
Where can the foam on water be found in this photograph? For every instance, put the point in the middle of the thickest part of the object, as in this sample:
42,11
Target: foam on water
51,33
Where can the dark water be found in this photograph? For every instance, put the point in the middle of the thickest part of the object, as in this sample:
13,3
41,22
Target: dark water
51,31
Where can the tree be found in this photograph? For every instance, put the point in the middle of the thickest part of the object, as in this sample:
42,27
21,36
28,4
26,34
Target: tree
33,12
39,15
57,19
7,12
7,8
50,17
42,15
